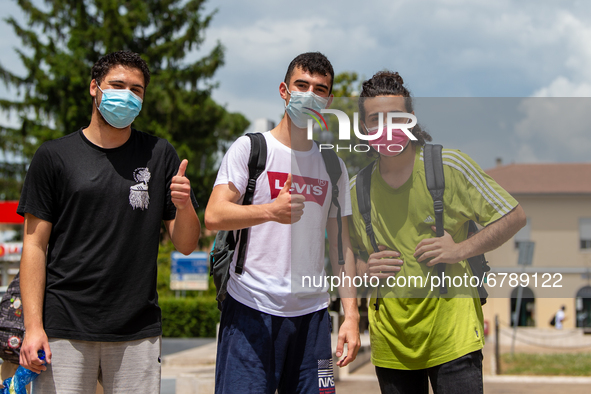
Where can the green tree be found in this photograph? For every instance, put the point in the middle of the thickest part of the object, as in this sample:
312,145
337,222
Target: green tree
346,84
346,91
61,41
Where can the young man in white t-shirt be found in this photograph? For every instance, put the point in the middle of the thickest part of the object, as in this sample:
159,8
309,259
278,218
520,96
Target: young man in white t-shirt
274,332
560,317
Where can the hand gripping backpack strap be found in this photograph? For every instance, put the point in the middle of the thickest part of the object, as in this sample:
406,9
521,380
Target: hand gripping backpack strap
333,167
256,166
363,188
436,184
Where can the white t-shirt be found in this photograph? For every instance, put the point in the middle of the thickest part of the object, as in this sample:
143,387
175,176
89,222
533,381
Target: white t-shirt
559,319
277,255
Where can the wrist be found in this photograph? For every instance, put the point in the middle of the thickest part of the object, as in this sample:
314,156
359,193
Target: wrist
463,251
351,310
34,327
184,207
351,320
361,267
268,213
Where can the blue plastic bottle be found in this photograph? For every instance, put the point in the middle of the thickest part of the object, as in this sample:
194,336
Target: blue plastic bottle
22,377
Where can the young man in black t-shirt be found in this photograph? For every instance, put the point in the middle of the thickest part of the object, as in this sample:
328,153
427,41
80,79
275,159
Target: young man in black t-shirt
93,203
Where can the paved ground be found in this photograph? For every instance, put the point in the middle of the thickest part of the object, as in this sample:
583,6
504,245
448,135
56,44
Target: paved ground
363,380
535,388
175,345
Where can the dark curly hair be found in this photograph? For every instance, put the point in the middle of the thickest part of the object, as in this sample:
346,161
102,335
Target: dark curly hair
314,63
120,58
388,83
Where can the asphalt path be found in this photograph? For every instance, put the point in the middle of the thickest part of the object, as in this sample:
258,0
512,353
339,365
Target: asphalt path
175,345
364,380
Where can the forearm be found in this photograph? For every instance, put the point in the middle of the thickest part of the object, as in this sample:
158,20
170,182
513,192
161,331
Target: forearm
226,215
347,290
346,273
185,230
32,284
493,235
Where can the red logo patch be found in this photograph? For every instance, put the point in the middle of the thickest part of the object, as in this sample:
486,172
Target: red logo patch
14,342
313,189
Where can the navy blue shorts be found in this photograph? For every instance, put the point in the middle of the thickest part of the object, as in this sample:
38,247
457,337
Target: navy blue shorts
260,353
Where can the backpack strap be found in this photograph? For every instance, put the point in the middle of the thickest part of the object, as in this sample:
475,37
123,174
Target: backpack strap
363,188
436,184
256,166
333,167
363,183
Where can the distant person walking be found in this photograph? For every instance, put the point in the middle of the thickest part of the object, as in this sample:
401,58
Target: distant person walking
559,318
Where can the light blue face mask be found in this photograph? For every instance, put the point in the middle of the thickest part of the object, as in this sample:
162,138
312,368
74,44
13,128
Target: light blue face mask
297,104
119,107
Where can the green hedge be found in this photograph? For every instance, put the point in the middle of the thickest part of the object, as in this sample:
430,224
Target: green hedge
189,317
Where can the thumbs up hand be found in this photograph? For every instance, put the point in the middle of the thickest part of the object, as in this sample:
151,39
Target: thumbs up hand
288,208
180,187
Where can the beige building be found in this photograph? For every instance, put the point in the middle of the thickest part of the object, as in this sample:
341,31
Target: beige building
557,202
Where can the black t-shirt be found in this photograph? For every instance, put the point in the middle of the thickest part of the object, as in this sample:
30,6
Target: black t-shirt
106,207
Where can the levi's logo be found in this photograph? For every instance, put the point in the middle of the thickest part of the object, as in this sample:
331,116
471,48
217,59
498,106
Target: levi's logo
313,189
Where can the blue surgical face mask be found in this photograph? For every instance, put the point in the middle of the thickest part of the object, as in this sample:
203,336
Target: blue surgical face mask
119,107
298,103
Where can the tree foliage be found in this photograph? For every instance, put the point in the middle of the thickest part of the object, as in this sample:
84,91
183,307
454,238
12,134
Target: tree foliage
346,91
64,38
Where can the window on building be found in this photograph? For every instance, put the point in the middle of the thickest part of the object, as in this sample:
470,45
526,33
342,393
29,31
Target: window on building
583,307
527,308
524,234
585,233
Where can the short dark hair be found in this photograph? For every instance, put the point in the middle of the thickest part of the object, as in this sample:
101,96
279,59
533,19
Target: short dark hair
120,58
388,83
312,62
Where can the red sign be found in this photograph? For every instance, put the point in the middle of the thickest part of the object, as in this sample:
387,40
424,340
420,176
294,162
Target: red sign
313,189
11,248
8,213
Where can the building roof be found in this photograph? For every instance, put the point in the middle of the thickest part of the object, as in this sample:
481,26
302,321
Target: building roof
555,178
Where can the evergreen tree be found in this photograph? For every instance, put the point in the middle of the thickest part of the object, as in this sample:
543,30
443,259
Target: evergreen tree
61,42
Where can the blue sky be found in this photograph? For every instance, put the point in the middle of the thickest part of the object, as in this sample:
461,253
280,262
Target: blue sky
444,49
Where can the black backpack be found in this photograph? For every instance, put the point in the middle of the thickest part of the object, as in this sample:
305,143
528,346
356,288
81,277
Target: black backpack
435,179
224,246
12,326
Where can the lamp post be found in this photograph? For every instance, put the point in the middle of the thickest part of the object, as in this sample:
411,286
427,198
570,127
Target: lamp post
526,254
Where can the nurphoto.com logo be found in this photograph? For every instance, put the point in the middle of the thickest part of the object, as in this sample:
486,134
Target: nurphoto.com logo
402,121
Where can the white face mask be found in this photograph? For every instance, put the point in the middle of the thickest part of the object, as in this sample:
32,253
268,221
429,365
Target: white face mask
302,101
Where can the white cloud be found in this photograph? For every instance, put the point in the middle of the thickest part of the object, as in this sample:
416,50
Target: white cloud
554,129
526,154
574,32
442,48
563,87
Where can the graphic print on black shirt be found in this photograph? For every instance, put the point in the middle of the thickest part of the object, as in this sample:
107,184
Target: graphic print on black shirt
138,194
